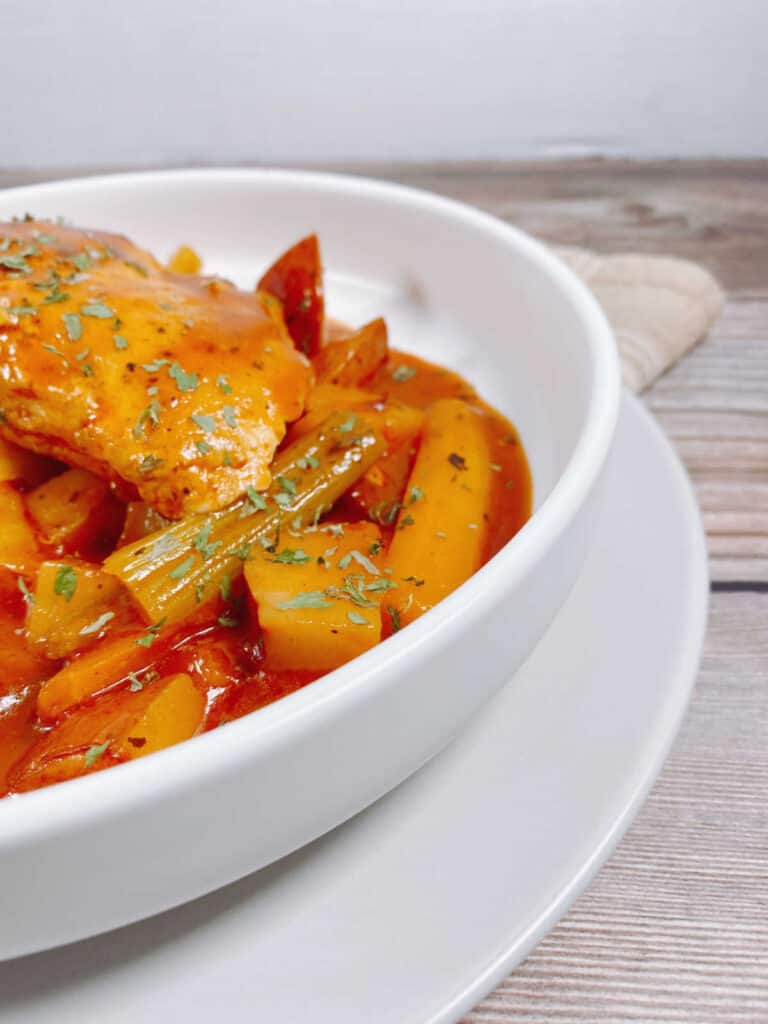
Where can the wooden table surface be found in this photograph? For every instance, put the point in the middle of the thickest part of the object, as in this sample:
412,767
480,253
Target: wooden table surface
675,928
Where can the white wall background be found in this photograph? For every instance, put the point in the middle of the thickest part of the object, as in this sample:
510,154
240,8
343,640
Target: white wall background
89,82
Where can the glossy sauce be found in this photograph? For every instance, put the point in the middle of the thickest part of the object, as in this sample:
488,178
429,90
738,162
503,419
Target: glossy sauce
226,663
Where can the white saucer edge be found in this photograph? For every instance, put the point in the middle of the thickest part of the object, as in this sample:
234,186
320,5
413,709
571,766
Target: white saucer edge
674,712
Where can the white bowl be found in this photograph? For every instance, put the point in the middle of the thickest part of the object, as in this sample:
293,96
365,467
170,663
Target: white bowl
458,286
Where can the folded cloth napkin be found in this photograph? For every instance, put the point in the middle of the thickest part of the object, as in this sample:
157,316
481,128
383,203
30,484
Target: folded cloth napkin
659,307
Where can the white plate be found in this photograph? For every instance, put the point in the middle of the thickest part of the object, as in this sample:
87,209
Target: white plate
416,908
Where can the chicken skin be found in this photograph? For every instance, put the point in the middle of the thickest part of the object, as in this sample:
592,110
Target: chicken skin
175,387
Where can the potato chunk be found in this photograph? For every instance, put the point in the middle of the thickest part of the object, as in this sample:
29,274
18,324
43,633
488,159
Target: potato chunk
18,548
74,604
318,600
74,511
117,727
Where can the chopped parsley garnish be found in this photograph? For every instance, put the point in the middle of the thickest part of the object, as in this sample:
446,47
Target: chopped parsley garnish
120,341
158,364
375,548
201,543
244,551
353,591
73,325
407,520
394,618
87,370
379,585
230,416
364,561
184,381
51,282
205,422
150,635
93,754
257,500
152,413
225,588
55,295
403,373
65,583
287,485
98,310
309,599
29,597
149,463
54,351
15,263
203,447
23,310
222,383
228,621
308,462
283,499
348,424
289,557
357,619
385,512
181,570
415,494
82,261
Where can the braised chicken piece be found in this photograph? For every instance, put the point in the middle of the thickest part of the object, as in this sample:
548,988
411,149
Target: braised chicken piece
176,387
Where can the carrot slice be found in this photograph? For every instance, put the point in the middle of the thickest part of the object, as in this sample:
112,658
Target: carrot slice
296,279
441,528
352,361
118,727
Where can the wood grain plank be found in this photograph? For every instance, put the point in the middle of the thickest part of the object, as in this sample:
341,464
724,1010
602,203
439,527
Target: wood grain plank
676,926
714,407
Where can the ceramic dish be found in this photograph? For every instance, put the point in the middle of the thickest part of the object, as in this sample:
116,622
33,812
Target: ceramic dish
473,859
457,286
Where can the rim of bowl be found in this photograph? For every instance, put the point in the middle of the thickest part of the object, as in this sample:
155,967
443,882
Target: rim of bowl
146,781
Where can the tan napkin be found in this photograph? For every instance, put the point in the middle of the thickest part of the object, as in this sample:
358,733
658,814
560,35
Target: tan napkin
658,306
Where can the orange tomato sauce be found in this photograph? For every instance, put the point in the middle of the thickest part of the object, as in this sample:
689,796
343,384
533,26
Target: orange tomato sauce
226,664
